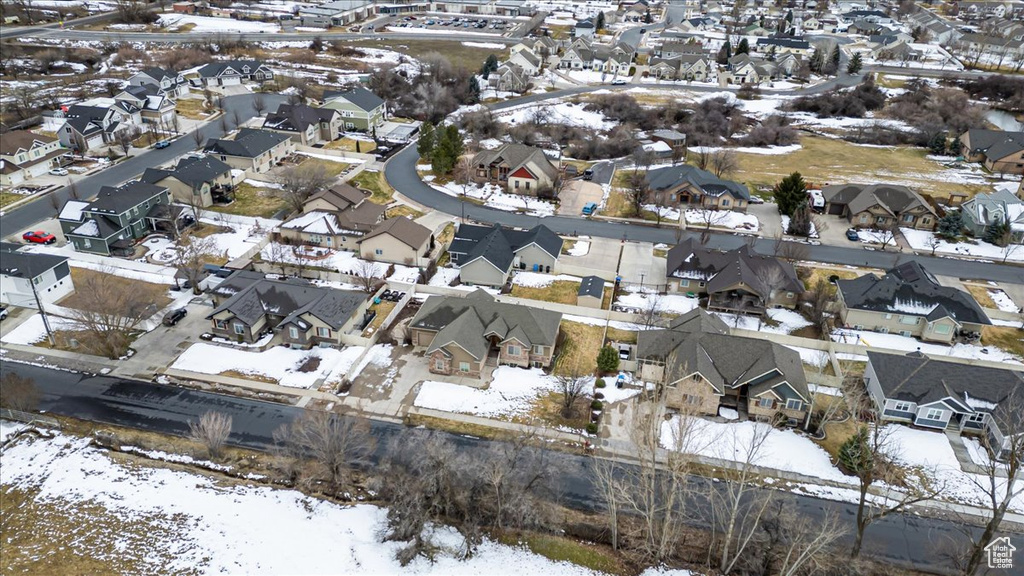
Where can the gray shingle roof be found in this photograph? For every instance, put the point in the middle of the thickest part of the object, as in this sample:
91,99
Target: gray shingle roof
910,289
361,97
403,229
111,200
498,245
592,286
723,268
26,264
671,177
249,143
193,171
251,296
214,69
860,197
297,118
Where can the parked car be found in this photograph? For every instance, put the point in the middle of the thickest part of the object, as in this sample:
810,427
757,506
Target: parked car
589,208
3,311
161,144
174,316
618,82
182,285
853,235
588,174
58,172
39,237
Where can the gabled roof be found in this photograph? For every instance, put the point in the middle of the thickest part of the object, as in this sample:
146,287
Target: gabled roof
920,379
675,176
341,196
13,262
785,42
591,286
517,156
22,140
467,320
193,171
249,143
859,197
298,117
724,268
498,245
252,296
111,200
910,289
995,144
215,69
402,229
158,74
360,97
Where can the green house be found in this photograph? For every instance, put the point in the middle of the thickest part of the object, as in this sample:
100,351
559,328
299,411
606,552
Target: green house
360,109
118,217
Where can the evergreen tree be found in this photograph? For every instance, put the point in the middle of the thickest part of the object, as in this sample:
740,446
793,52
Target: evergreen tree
855,454
744,47
937,144
447,150
490,65
951,225
725,53
647,17
817,61
956,146
761,21
472,91
834,59
800,221
771,54
790,193
789,16
425,144
997,233
599,22
855,64
607,360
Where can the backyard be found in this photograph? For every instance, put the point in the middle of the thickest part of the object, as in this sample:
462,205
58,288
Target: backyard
374,182
253,201
579,350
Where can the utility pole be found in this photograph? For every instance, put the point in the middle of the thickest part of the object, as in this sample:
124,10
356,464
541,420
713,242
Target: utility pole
42,313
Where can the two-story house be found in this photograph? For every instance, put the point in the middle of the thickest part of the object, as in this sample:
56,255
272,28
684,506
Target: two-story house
460,335
117,218
26,276
689,186
251,149
879,206
24,155
519,168
697,365
167,82
305,124
88,127
399,241
232,73
1001,206
486,255
334,218
999,151
360,109
154,107
908,300
195,180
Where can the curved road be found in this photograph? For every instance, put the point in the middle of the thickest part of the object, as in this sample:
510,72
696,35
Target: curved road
907,541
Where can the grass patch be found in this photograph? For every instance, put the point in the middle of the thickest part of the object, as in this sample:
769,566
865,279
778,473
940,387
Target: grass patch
548,409
579,350
447,234
812,274
981,294
453,426
568,245
253,201
837,432
331,168
247,376
457,54
349,145
380,191
886,81
82,276
403,210
383,309
822,160
660,253
561,291
606,301
617,205
1007,338
10,198
624,336
563,549
193,108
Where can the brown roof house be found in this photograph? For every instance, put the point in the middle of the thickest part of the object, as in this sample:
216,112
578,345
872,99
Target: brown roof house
334,218
689,185
737,280
24,155
879,205
699,365
462,335
999,151
399,241
521,169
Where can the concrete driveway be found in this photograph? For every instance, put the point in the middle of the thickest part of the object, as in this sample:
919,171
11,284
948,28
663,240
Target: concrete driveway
51,225
640,266
576,194
160,347
601,259
834,233
769,217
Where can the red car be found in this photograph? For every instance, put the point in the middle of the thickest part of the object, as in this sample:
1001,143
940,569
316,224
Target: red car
39,237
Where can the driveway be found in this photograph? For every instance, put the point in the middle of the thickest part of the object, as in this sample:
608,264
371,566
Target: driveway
601,259
51,225
576,194
640,266
160,347
769,217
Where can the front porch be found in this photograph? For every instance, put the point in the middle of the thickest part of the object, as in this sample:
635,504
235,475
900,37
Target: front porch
736,302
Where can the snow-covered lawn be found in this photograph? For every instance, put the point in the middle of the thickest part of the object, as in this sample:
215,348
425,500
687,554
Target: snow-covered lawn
665,303
279,363
786,321
908,344
537,280
9,429
785,226
180,522
210,24
1003,302
921,240
245,232
580,248
723,219
556,113
495,197
812,357
444,277
340,260
32,330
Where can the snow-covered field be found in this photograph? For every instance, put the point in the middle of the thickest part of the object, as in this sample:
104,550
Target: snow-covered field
179,522
495,197
556,113
280,363
32,330
922,240
908,344
580,248
723,219
211,24
665,303
340,260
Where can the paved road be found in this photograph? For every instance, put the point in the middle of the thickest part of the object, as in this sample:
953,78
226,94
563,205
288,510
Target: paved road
905,541
187,38
26,215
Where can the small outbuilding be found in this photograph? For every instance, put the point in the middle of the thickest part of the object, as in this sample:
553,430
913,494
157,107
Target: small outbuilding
591,293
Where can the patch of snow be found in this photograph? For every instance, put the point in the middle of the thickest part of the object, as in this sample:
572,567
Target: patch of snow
1002,301
581,248
489,45
510,393
538,280
279,363
212,24
33,331
922,240
908,344
444,277
723,219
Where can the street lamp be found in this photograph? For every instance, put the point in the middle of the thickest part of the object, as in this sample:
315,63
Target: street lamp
642,284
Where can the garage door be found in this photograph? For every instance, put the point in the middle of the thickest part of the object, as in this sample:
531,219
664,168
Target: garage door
230,81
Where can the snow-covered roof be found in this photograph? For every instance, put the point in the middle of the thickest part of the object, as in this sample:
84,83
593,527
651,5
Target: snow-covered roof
72,210
89,228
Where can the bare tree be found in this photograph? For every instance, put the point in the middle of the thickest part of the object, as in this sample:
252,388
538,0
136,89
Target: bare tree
638,193
236,118
792,251
516,473
191,254
886,235
822,294
703,157
278,253
259,103
211,431
462,174
798,543
300,182
324,447
110,311
571,387
198,138
126,138
652,314
18,392
610,486
365,274
707,219
724,162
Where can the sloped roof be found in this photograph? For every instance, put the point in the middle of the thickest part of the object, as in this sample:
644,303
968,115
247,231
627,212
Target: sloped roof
13,262
249,143
403,229
910,289
214,69
498,245
111,200
361,97
995,144
675,176
723,268
16,140
193,171
591,286
251,296
297,117
860,197
517,156
341,196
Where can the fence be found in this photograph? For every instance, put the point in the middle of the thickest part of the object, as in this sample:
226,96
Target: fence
29,418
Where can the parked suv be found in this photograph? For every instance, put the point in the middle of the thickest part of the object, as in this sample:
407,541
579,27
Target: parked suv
174,316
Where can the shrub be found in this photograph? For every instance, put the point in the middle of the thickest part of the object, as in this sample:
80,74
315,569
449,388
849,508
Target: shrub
592,428
598,396
596,405
599,383
607,360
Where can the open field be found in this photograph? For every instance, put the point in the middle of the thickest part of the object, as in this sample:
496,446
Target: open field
561,291
580,348
253,201
459,55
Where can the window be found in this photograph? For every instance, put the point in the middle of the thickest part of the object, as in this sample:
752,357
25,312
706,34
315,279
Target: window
942,328
86,243
514,350
701,284
220,324
934,414
908,217
794,404
691,399
911,320
881,220
684,283
439,364
378,252
901,406
538,350
765,402
789,295
517,184
863,218
725,201
463,366
976,417
293,332
905,333
323,332
239,328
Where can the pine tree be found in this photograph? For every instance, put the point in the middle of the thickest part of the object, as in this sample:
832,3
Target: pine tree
472,91
951,225
800,221
744,47
817,61
771,54
447,150
725,53
790,193
599,22
425,144
647,17
490,65
607,360
956,146
789,16
937,144
834,59
855,454
997,233
855,64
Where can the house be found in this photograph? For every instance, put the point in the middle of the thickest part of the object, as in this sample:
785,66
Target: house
360,109
584,29
305,124
24,156
461,335
999,151
168,83
118,217
675,139
943,395
578,56
509,78
520,168
26,276
691,186
526,59
591,292
232,73
195,180
783,45
908,300
542,46
86,127
984,210
251,149
879,206
699,366
399,241
744,70
486,255
737,280
154,107
248,305
939,30
334,218
690,67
